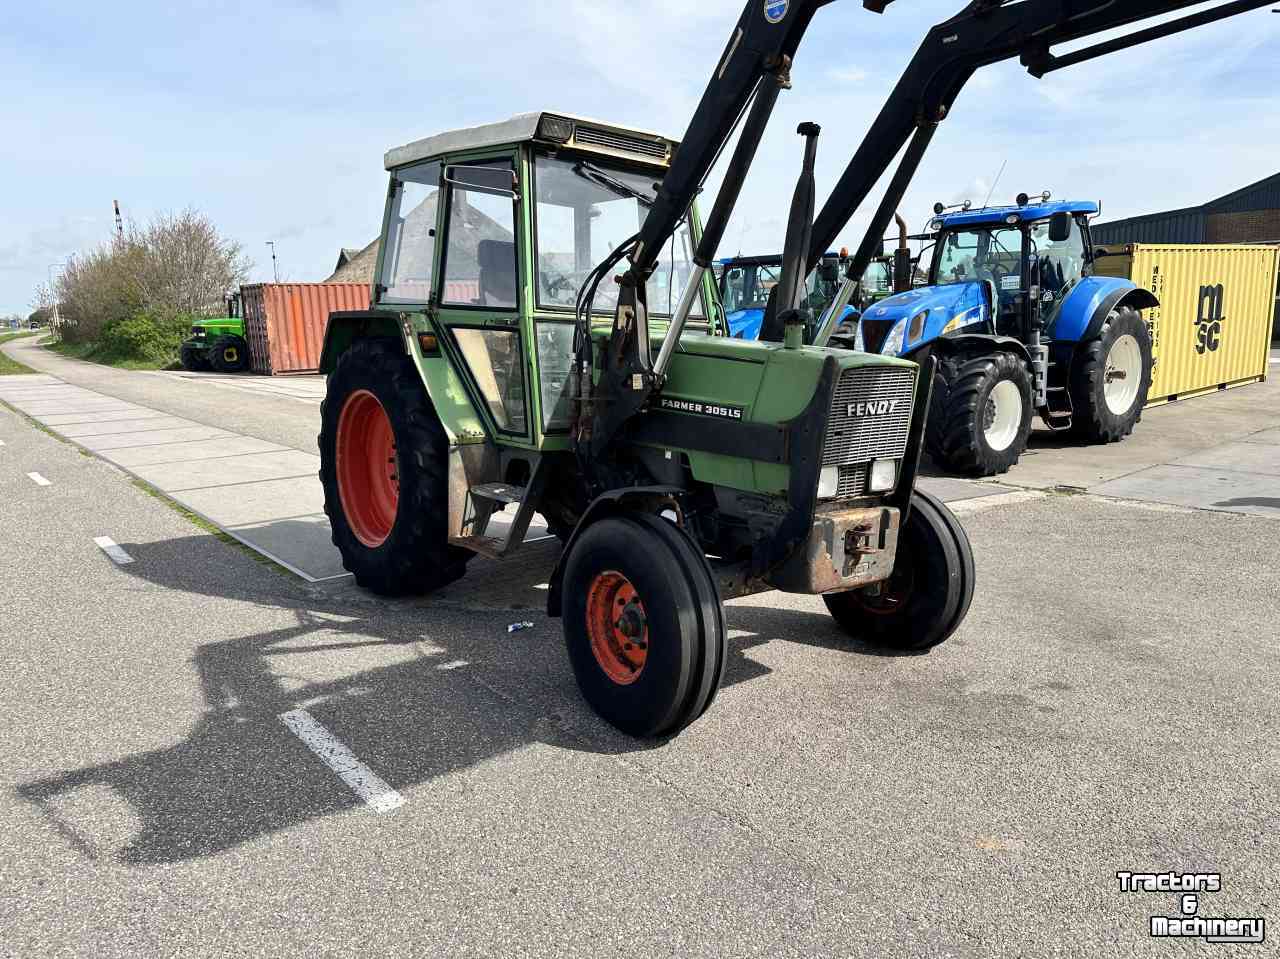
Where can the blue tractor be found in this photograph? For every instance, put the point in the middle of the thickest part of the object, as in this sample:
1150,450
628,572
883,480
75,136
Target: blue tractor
746,282
1020,326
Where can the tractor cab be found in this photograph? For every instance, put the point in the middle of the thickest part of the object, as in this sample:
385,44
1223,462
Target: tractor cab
996,271
745,283
489,234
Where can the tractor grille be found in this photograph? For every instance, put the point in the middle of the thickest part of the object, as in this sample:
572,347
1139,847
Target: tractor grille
622,142
853,481
878,430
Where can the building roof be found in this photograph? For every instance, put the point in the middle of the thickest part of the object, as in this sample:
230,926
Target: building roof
1189,224
356,266
586,134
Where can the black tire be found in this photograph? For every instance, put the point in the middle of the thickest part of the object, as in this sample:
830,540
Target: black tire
1092,419
229,354
935,427
929,593
416,556
679,609
192,358
964,408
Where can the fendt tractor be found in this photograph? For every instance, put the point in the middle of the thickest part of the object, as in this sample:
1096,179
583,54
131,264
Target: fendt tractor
1020,326
545,335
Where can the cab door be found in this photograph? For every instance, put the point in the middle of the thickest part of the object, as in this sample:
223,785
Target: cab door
478,300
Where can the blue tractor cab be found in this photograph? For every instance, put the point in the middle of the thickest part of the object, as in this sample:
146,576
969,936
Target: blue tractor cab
1020,326
746,281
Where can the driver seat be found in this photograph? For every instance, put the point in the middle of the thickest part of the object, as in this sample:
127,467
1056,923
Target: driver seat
497,272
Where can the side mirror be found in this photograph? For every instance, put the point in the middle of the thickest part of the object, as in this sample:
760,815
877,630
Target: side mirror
495,181
1060,227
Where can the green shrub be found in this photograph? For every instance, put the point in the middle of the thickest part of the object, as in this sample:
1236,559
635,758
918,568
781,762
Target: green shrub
144,336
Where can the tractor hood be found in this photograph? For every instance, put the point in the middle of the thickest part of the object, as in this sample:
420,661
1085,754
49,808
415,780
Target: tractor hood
964,302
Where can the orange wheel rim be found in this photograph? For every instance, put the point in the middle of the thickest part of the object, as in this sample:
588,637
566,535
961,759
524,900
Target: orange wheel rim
618,627
368,468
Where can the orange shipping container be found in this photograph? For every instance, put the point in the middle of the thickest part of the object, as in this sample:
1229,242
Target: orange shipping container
284,322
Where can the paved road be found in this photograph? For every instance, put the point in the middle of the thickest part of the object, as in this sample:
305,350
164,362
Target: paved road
1109,704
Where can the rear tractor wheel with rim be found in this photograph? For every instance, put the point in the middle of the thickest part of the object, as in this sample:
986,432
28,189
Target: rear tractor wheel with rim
383,460
1110,379
229,354
928,594
980,416
643,624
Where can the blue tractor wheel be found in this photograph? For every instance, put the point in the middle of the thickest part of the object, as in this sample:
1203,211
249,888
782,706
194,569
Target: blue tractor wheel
1110,379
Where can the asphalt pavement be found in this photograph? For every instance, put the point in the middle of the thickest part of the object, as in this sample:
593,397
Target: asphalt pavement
1109,704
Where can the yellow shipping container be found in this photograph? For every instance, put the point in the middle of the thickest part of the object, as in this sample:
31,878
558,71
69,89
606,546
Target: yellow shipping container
1212,329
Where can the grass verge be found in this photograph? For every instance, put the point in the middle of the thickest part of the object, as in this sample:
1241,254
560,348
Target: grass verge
10,367
97,353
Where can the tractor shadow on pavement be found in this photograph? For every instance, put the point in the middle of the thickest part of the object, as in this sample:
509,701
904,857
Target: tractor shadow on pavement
416,689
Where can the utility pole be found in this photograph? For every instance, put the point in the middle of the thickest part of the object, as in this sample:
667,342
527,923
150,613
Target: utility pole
119,222
275,267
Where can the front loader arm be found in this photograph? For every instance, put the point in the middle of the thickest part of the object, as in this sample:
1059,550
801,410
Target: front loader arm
983,33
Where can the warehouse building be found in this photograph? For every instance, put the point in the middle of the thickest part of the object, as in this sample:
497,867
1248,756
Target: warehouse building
1248,215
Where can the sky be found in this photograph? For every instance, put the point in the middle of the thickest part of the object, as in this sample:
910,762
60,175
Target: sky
272,118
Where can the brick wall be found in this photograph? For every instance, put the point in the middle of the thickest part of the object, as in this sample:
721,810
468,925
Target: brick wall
1255,226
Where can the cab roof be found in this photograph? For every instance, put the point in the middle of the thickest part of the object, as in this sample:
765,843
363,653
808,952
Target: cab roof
554,129
999,214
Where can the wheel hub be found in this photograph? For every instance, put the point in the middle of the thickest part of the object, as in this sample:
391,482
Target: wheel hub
617,627
1002,416
1122,374
368,468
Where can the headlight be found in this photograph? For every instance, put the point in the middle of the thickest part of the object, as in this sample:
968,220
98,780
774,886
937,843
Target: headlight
893,342
884,476
828,482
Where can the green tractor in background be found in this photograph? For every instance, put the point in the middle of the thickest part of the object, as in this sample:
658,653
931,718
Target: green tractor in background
217,343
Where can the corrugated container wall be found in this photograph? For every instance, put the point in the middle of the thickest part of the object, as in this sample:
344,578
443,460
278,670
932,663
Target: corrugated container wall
1212,329
284,322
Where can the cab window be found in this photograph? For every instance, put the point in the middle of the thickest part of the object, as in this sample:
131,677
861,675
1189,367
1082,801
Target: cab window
480,255
410,246
1055,266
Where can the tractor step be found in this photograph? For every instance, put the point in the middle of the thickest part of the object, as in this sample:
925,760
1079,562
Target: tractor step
495,547
1057,411
499,493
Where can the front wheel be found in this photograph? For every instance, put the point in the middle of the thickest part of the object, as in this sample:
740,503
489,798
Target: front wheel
928,594
383,462
1110,379
192,358
229,354
980,416
643,624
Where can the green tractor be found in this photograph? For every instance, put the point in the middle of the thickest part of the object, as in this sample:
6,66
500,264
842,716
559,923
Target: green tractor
545,337
217,343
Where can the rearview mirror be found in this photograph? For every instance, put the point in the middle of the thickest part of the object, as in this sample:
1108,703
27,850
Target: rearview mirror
1060,227
495,181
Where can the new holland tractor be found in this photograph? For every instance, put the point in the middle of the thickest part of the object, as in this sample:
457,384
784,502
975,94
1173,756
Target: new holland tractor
544,335
1020,326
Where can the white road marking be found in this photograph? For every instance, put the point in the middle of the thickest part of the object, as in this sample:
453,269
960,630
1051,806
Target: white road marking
1,442
117,553
38,479
363,781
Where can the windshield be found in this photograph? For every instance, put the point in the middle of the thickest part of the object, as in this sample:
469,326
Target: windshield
965,256
747,286
585,210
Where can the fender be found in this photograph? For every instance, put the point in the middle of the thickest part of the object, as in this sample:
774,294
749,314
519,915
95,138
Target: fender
645,499
344,328
1090,303
972,342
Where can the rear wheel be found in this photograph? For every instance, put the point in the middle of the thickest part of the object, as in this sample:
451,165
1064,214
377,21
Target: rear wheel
383,461
1110,379
929,592
980,417
229,354
192,358
643,625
